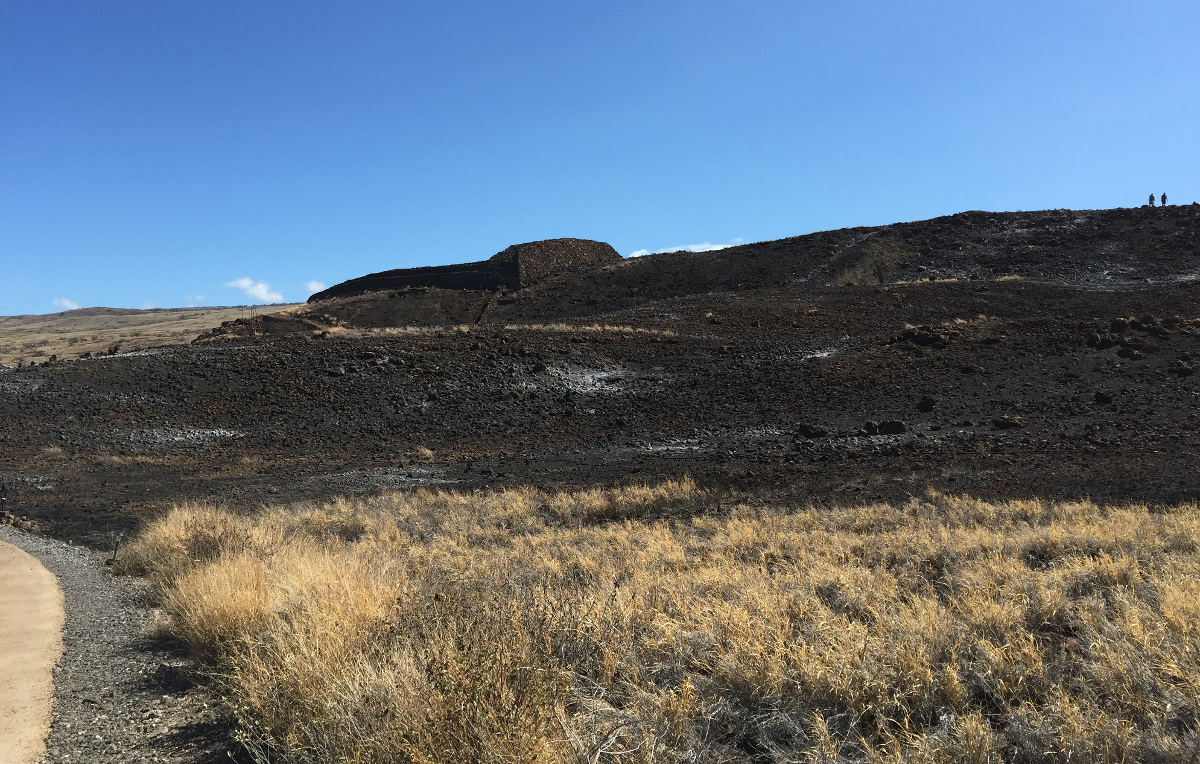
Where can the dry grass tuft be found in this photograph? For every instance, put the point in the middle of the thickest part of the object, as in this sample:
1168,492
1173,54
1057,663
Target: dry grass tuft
650,624
594,328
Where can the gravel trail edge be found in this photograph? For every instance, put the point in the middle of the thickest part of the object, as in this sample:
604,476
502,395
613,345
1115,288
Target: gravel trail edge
124,692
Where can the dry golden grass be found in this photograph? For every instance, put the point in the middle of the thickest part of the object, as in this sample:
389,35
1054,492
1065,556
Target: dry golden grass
96,330
594,328
654,624
616,329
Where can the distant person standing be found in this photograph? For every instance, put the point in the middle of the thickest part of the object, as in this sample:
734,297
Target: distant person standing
1151,200
1164,199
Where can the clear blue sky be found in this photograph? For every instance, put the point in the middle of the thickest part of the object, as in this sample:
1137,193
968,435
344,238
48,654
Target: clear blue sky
155,152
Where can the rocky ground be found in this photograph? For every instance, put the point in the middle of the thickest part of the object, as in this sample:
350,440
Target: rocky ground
1049,354
727,366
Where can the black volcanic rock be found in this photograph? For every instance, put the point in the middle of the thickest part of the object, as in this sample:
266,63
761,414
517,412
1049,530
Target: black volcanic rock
1007,252
518,266
618,373
811,431
536,260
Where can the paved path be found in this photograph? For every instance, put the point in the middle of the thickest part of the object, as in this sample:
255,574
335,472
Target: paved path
31,623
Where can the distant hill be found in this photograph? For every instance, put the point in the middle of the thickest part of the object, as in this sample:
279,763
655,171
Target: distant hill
95,331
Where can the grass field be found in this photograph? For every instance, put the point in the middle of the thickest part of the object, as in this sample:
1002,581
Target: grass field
670,624
95,331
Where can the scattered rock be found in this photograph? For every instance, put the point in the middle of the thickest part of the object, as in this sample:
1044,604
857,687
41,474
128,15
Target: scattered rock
893,427
1180,369
1009,422
22,523
1103,398
923,336
811,431
926,404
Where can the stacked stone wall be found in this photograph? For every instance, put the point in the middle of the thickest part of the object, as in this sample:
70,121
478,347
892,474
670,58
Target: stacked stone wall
518,266
538,259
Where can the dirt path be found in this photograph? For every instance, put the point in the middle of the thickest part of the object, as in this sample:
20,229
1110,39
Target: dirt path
31,622
123,694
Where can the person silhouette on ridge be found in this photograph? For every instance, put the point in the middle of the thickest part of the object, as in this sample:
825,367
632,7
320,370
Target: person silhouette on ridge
1164,199
1151,200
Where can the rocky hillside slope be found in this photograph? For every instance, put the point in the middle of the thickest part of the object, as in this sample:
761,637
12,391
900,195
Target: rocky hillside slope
518,266
1066,367
1090,247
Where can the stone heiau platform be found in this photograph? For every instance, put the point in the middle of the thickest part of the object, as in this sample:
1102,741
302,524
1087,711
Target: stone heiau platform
518,266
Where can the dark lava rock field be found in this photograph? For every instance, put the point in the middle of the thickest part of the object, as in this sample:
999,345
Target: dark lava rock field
1052,354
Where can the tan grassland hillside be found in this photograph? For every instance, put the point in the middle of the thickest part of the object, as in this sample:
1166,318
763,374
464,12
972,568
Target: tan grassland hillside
95,331
672,624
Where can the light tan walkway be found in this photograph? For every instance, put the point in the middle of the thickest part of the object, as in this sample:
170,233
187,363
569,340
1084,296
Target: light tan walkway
31,621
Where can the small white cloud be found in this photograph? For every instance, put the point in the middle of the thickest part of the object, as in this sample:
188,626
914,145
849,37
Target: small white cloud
62,303
193,300
148,306
259,291
705,247
312,287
